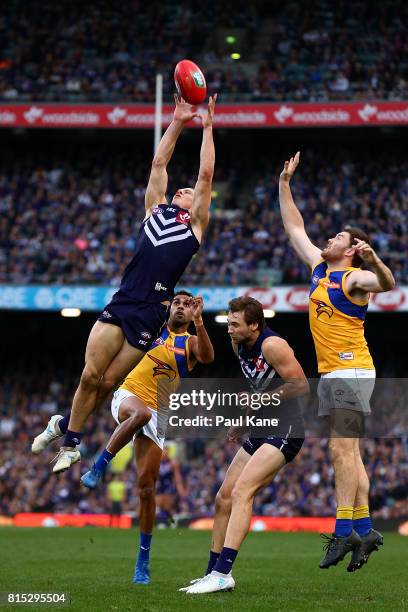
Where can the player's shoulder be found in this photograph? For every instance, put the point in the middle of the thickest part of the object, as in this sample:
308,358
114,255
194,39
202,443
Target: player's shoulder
272,344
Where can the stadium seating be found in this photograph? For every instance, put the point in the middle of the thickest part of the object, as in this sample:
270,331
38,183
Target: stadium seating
98,51
75,222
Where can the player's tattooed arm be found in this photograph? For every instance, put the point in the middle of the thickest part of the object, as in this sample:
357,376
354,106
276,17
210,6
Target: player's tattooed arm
200,345
376,281
291,217
157,185
281,357
202,191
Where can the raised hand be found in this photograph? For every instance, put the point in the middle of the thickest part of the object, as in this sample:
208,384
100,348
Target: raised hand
196,307
289,168
365,251
207,119
184,112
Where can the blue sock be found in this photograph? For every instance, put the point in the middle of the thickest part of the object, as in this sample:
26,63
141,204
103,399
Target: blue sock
72,438
225,560
103,460
363,526
343,527
212,561
63,423
344,521
144,547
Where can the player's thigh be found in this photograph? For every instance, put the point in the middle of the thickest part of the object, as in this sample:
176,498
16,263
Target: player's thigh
130,406
260,470
104,343
233,473
148,456
122,363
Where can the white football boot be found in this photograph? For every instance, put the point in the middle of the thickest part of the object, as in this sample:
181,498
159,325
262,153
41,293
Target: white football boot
50,433
65,458
191,582
212,583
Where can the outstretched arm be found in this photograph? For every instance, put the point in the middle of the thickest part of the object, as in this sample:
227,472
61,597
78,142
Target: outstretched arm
157,185
291,217
202,189
201,347
364,281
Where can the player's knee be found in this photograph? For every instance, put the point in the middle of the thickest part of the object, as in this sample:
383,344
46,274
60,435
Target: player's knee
240,493
90,377
222,501
147,487
140,416
107,385
342,449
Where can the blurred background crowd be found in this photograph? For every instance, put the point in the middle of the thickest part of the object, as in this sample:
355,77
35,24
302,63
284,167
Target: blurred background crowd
75,219
104,51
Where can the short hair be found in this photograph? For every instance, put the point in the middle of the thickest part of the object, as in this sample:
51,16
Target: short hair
183,292
356,232
252,309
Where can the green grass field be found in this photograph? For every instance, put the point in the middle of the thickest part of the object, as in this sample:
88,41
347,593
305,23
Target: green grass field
273,571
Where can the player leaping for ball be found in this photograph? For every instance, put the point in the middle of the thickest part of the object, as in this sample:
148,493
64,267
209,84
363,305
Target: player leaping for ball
168,238
338,300
139,408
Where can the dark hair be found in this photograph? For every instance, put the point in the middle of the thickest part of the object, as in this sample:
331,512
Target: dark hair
356,232
183,292
253,310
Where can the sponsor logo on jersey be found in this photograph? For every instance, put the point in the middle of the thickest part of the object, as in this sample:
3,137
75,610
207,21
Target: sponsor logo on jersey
146,334
143,342
159,287
106,315
330,284
156,210
322,308
315,279
346,356
162,369
260,364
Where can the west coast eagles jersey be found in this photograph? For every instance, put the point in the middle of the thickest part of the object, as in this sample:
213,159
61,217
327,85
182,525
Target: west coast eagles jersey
337,321
158,373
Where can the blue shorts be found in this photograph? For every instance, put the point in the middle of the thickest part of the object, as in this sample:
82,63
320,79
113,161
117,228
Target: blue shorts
289,447
141,322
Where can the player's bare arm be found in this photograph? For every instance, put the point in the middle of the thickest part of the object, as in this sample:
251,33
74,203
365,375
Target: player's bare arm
281,357
201,347
376,280
202,190
157,185
291,217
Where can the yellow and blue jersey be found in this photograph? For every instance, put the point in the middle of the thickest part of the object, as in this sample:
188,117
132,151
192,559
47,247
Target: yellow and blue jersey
337,321
160,370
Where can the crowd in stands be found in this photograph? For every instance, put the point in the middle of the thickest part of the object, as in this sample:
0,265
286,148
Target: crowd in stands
305,488
103,51
76,222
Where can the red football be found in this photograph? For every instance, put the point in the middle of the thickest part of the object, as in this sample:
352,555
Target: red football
190,82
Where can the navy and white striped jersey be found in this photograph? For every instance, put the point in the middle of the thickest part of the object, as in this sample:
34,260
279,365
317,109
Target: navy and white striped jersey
164,247
253,363
262,377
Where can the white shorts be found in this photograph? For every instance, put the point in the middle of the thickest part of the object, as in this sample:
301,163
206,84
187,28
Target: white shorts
150,430
349,389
